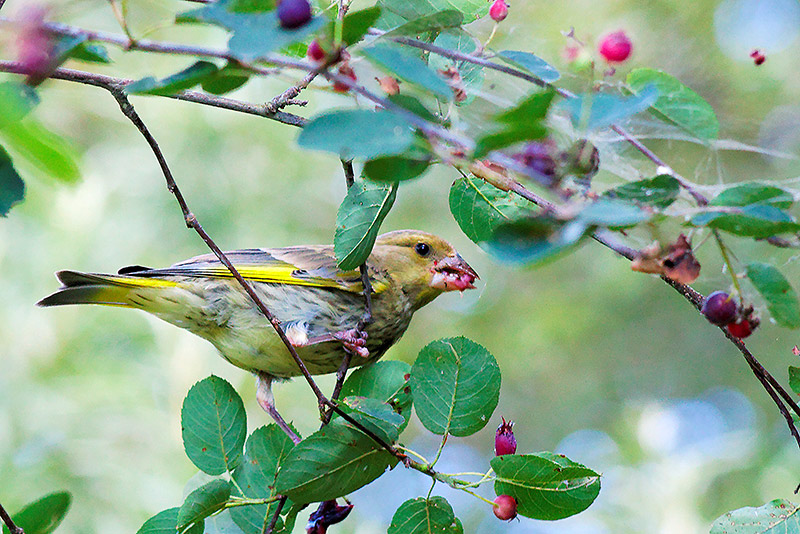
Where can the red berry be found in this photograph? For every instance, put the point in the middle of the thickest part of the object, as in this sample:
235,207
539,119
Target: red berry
616,47
347,71
758,57
719,308
499,10
504,440
505,507
294,13
315,52
741,328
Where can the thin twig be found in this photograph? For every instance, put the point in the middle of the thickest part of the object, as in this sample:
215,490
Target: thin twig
13,528
287,97
271,526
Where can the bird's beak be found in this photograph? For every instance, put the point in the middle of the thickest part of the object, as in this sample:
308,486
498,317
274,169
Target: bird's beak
453,273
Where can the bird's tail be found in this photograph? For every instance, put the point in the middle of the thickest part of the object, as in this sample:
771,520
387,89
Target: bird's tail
103,289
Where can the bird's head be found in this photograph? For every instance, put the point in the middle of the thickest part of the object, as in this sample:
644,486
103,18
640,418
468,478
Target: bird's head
422,263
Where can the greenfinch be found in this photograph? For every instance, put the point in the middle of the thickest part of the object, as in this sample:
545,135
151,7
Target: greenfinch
318,305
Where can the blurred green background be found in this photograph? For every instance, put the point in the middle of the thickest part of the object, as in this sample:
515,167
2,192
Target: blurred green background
611,367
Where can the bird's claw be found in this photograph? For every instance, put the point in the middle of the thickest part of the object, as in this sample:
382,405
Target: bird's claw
354,341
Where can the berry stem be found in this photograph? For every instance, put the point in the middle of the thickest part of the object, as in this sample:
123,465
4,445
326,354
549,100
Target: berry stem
491,36
726,258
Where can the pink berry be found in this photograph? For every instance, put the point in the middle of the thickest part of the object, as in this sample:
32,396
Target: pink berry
504,440
294,13
758,57
499,10
348,72
505,507
315,52
616,47
719,308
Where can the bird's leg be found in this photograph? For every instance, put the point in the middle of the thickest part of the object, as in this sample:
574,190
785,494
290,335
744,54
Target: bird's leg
267,401
353,340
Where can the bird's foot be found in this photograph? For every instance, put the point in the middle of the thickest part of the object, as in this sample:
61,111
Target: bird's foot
354,341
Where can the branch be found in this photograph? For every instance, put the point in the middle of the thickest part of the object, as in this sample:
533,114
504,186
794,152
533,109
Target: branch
14,529
287,97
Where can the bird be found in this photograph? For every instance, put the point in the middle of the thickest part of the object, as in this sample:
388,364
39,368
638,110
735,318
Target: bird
319,306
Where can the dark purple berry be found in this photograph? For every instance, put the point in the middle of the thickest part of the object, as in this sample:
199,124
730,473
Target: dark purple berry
294,13
504,440
538,157
719,308
505,507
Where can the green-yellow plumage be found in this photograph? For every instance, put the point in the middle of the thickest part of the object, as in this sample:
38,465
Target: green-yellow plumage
301,286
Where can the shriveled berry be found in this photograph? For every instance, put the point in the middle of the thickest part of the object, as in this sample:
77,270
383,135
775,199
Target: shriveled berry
758,57
505,507
616,47
504,440
538,157
348,72
740,328
294,13
499,10
315,52
719,308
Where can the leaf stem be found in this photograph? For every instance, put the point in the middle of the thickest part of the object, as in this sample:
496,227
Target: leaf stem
726,258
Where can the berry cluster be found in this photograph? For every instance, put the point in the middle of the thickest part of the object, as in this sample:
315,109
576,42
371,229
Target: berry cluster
720,309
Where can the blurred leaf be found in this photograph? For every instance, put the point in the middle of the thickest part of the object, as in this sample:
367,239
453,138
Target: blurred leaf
44,515
424,516
202,502
776,290
532,108
756,220
416,107
595,111
230,77
775,517
456,385
395,168
386,419
214,426
754,193
676,103
546,486
660,191
76,47
406,66
534,239
357,133
332,462
530,63
222,523
16,101
166,523
458,40
358,221
387,381
794,379
508,137
356,24
188,77
411,10
435,22
12,188
612,213
48,152
254,24
479,208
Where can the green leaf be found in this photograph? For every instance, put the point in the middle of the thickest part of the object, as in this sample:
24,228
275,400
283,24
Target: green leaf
203,502
356,24
358,221
754,193
386,381
180,81
380,415
214,426
357,133
676,103
471,74
45,150
416,107
546,486
612,213
756,220
532,108
536,239
395,168
776,290
659,192
76,47
794,379
12,188
435,22
508,137
332,462
595,111
530,63
479,208
222,523
406,66
456,385
230,77
775,517
16,101
256,30
424,516
44,515
410,10
166,522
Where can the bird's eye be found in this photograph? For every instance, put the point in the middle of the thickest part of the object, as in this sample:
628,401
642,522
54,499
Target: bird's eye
423,249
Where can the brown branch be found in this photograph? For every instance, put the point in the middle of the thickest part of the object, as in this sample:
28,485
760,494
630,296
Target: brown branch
287,97
13,528
271,526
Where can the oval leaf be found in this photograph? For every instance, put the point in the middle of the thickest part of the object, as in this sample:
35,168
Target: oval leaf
12,188
755,220
202,502
358,221
423,516
16,101
456,386
435,22
166,523
188,77
357,133
776,290
595,111
612,213
45,150
356,24
776,517
794,379
214,426
386,381
532,240
660,191
44,515
378,416
754,193
545,485
531,63
408,67
676,103
395,168
479,208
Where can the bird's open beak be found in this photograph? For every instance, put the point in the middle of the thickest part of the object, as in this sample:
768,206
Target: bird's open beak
453,273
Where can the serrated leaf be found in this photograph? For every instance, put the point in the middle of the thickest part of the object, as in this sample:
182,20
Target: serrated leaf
166,523
754,193
12,188
533,240
456,385
408,67
777,292
358,221
332,462
48,152
378,416
612,213
180,81
676,103
203,502
424,516
43,515
357,133
435,22
230,77
595,111
214,426
386,381
479,208
755,220
531,63
356,24
546,486
775,517
660,191
794,379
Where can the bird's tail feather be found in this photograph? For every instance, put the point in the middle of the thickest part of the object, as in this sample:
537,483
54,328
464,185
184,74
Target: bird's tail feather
103,289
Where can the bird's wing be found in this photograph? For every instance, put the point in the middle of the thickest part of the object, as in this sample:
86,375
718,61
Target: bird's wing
313,266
